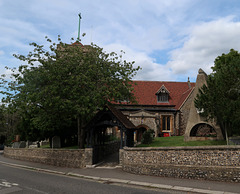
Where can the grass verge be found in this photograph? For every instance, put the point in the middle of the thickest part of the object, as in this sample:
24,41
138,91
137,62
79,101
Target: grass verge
176,141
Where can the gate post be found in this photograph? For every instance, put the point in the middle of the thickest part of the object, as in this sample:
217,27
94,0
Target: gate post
88,157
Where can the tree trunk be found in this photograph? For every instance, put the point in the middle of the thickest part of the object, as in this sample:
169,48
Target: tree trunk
80,133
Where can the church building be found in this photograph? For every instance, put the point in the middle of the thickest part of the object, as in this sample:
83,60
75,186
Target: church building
161,106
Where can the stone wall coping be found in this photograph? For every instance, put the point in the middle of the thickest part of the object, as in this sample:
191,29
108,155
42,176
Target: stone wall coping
47,149
192,166
220,147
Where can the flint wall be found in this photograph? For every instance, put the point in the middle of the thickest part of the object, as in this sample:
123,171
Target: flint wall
220,163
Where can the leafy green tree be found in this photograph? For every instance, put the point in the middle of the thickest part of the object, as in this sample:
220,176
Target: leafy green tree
2,124
220,98
59,89
8,123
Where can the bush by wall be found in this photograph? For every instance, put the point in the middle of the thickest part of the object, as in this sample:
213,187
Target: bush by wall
147,137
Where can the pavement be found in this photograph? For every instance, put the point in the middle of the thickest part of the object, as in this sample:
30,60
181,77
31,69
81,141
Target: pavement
114,174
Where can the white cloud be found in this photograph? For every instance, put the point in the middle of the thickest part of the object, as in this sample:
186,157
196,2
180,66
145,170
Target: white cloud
6,72
206,41
201,45
2,52
18,33
141,28
150,70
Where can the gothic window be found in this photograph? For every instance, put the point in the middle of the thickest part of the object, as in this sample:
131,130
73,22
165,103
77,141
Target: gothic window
166,123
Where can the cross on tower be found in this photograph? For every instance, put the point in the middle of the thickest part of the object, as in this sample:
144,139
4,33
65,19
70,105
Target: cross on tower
80,17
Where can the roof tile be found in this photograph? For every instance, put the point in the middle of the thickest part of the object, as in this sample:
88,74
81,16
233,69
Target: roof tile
145,92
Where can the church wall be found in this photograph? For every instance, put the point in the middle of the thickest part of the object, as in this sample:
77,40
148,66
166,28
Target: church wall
149,120
184,114
177,124
194,116
143,118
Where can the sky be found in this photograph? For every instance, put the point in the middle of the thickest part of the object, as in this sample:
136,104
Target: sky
169,39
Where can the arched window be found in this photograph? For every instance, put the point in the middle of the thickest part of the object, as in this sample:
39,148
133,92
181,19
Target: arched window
166,123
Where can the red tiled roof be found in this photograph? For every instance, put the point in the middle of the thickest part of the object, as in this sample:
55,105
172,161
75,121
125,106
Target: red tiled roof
145,92
77,43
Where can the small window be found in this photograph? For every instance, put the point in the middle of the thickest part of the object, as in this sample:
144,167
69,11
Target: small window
162,94
162,97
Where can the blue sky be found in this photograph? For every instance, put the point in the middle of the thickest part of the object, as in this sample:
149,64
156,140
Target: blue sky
169,39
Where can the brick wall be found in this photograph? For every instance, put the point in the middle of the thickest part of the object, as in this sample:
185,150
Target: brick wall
57,157
221,163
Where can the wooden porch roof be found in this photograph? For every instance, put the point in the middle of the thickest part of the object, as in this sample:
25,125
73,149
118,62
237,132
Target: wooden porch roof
110,111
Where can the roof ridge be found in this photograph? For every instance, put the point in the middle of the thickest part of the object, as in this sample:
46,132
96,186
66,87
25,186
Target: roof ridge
188,90
160,81
186,97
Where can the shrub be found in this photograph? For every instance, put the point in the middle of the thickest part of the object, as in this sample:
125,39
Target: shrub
148,137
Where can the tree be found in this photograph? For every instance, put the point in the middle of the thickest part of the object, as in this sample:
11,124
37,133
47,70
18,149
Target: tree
8,124
220,98
62,87
2,124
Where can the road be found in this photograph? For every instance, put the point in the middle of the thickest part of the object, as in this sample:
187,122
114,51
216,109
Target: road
16,181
